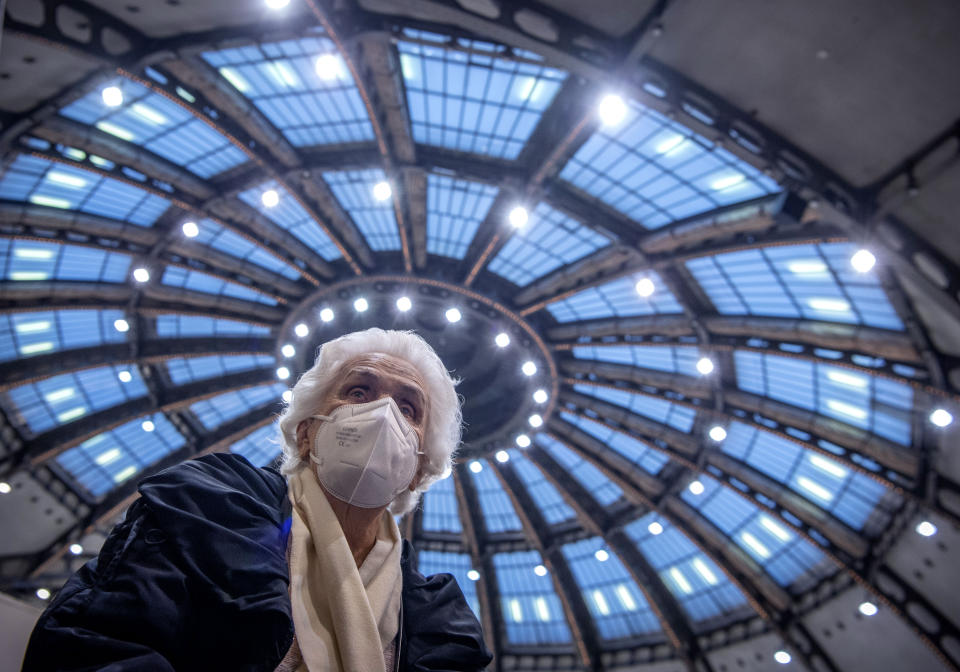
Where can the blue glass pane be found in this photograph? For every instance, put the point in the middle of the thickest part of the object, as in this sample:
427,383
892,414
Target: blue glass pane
498,512
592,479
532,613
177,326
43,332
235,245
455,209
375,219
458,564
681,359
105,461
548,499
225,407
656,171
474,102
160,125
615,298
187,370
549,240
636,451
28,260
440,510
54,401
617,605
290,216
655,408
302,86
816,282
260,447
175,276
701,587
42,182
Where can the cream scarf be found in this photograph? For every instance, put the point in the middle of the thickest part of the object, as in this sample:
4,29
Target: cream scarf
344,618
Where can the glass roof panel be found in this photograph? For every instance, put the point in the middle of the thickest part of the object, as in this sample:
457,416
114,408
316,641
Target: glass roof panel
813,281
634,450
617,605
43,332
57,400
176,276
302,86
702,588
187,370
290,216
159,125
498,512
549,240
849,495
105,461
787,557
458,564
455,209
615,298
592,479
544,494
375,219
679,359
54,185
655,408
260,447
232,243
532,613
656,171
441,512
224,407
186,326
28,260
474,102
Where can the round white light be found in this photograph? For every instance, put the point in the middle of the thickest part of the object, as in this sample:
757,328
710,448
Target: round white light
518,217
540,396
473,575
476,467
868,609
125,376
941,417
502,340
301,330
445,474
404,304
288,350
926,529
327,67
535,420
360,305
147,426
287,396
190,229
655,528
782,657
43,593
453,315
601,555
696,487
76,549
502,456
705,365
326,315
540,570
645,287
121,325
141,274
270,198
5,488
718,433
612,110
283,373
277,4
382,191
112,96
528,368
523,440
863,260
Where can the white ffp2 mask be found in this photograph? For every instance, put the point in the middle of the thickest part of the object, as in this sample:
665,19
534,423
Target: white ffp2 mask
365,454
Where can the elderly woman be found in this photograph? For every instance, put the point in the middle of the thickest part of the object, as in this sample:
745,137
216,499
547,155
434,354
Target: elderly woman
223,566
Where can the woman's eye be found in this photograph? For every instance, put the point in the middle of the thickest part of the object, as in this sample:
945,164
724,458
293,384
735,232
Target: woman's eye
407,411
357,393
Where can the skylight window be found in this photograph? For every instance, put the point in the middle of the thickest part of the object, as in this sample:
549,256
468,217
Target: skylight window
544,494
374,218
593,480
224,407
455,208
26,260
532,612
176,276
440,509
616,298
637,452
649,406
189,326
290,216
229,242
458,564
187,370
259,446
498,512
673,359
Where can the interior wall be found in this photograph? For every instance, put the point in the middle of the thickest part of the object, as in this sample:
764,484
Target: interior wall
16,623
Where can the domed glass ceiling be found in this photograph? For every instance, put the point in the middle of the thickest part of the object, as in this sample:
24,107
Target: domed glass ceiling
651,468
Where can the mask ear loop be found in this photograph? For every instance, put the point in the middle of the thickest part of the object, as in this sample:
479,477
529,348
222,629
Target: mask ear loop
314,458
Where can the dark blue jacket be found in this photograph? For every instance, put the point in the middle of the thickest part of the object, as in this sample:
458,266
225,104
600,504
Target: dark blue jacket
195,578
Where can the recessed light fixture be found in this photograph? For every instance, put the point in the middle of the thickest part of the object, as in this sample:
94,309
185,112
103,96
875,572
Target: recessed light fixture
705,366
190,229
523,440
76,549
361,305
655,528
540,570
941,417
863,260
277,4
327,67
43,593
121,325
540,396
112,96
502,340
529,368
782,657
601,555
382,191
326,315
5,488
141,275
476,467
283,373
453,315
696,487
147,426
301,330
125,376
270,198
518,217
404,304
535,420
287,396
612,110
473,575
288,350
718,433
502,456
868,609
645,287
926,529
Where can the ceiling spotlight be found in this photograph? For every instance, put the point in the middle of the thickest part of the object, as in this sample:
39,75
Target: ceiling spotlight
655,528
926,529
76,549
645,287
453,315
540,396
528,368
446,473
121,325
523,440
277,4
941,417
288,350
696,487
476,467
327,67
270,198
502,340
601,555
868,609
283,373
360,305
705,366
782,657
5,488
518,217
540,570
863,260
326,315
502,456
147,426
382,191
404,304
190,229
43,593
301,330
141,274
535,420
473,575
718,433
112,96
612,110
124,376
287,396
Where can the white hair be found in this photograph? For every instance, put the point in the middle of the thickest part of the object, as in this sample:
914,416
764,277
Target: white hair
442,432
